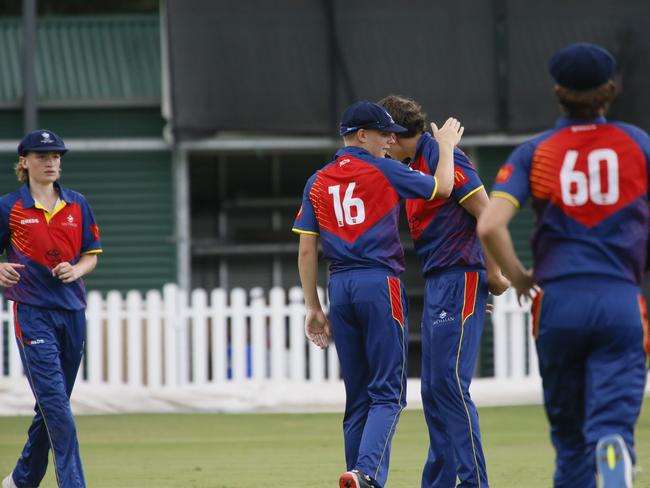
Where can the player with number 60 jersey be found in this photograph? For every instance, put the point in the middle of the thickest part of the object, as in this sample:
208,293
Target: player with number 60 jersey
588,181
352,205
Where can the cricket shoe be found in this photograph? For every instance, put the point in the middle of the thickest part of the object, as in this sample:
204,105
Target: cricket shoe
356,479
8,482
613,462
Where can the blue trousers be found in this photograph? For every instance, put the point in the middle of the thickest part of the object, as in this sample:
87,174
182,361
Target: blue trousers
368,318
590,346
51,345
454,310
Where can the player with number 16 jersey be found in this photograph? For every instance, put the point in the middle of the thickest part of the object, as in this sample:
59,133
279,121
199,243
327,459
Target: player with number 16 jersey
352,205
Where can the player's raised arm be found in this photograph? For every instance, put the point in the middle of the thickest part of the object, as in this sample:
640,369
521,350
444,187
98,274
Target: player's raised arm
448,137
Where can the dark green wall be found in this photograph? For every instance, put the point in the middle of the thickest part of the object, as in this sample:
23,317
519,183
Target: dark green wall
489,160
88,123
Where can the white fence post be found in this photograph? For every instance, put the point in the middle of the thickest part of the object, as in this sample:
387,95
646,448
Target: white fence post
514,349
219,336
199,308
95,339
278,334
500,333
238,345
182,334
134,335
153,303
297,334
170,300
115,338
258,333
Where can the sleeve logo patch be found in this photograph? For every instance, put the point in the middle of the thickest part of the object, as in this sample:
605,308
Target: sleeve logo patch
94,228
504,173
460,178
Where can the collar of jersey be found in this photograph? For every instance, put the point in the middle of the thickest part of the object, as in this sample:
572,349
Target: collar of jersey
567,121
28,201
48,215
422,141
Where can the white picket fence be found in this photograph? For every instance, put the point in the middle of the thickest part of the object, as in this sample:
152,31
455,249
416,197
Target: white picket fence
178,339
173,338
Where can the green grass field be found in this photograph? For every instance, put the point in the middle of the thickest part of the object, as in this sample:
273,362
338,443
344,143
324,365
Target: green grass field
292,451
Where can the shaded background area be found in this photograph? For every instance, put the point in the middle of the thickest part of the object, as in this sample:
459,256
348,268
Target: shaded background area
291,66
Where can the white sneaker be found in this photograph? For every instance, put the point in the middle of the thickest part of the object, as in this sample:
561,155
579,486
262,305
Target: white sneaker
613,462
8,482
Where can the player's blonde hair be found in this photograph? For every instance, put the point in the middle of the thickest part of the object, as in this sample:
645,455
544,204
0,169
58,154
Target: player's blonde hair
21,172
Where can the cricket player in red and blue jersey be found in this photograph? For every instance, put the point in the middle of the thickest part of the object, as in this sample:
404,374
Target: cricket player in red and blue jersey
455,301
353,205
51,240
588,181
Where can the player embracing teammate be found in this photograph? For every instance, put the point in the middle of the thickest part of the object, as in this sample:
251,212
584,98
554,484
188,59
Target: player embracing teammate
457,279
352,204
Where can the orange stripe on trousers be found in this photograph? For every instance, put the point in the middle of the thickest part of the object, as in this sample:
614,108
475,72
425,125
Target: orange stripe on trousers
643,308
395,291
469,300
536,311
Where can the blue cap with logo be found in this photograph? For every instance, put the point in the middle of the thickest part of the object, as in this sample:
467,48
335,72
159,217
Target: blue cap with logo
582,66
41,140
367,115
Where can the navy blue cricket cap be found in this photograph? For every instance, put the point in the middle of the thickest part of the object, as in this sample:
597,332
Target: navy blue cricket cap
582,66
367,115
41,140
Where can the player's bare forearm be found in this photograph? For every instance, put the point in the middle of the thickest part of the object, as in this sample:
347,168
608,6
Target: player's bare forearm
448,136
308,270
68,273
317,328
492,229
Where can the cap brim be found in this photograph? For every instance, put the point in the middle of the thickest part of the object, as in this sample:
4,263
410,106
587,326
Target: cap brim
384,128
46,149
393,128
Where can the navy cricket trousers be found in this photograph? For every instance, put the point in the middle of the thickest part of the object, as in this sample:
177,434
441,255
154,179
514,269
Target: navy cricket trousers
368,319
589,337
455,301
51,345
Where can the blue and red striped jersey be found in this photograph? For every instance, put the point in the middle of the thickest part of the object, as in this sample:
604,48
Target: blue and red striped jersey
444,233
32,236
588,180
353,205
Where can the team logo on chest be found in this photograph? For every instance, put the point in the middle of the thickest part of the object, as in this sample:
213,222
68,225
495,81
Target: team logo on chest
69,221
